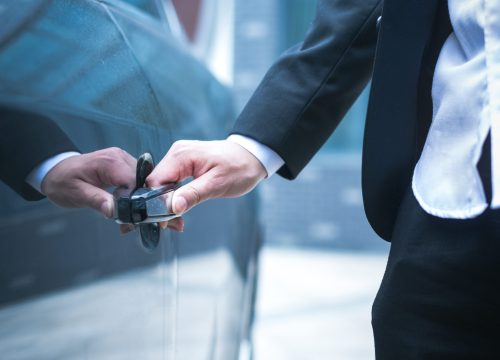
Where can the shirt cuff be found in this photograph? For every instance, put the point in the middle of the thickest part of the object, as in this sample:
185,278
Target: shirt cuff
267,157
36,176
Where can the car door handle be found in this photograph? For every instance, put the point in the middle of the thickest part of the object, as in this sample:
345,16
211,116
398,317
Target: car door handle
145,207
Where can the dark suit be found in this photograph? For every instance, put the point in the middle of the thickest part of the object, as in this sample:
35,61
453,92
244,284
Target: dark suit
307,92
26,140
439,293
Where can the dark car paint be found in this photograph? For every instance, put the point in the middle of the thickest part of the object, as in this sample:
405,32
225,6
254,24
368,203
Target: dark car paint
110,75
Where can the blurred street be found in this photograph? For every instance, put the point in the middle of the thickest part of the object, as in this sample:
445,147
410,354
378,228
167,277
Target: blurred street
316,304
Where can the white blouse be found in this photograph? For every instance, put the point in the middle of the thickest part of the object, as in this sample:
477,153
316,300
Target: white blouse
446,182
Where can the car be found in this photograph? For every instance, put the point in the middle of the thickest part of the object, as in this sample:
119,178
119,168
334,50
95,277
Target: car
114,73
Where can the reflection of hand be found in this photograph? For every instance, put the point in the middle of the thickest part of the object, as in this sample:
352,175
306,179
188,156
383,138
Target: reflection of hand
219,168
176,224
79,181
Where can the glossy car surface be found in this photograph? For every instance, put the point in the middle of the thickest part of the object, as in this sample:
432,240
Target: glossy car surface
111,73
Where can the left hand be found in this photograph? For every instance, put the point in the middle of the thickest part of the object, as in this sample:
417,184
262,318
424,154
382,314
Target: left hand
79,181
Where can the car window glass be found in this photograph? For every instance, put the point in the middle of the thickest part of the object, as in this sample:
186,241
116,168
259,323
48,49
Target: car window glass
176,80
74,54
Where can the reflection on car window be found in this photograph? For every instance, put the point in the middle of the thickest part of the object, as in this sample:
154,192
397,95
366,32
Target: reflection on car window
188,13
149,7
74,54
107,59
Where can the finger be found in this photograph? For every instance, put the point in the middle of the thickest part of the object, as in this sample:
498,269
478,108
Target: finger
118,172
177,165
129,159
163,173
95,198
193,193
176,224
112,166
121,174
126,228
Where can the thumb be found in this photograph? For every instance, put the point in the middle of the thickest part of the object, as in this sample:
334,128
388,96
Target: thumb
193,193
97,199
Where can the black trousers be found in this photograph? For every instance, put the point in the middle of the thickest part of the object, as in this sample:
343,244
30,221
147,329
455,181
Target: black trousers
440,295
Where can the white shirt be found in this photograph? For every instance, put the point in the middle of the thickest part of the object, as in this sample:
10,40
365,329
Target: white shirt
36,176
466,101
466,106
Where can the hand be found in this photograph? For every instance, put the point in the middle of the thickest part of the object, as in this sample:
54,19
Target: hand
219,168
79,181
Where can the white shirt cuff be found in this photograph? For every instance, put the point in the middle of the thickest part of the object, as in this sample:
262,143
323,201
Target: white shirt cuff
36,176
267,157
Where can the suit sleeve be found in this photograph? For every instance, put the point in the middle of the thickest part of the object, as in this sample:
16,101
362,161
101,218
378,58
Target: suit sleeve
26,140
310,88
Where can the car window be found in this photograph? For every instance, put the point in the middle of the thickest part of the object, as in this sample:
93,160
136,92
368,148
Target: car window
79,57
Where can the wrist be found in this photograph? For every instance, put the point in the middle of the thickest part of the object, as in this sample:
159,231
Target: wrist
267,157
37,176
255,169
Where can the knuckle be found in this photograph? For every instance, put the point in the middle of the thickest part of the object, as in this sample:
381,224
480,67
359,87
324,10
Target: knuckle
115,151
112,155
116,154
179,144
178,149
195,193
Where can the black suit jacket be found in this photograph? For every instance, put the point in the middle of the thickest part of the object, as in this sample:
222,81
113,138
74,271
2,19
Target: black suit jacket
308,91
26,140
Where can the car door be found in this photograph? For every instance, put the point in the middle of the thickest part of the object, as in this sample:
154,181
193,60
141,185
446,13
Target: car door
110,73
71,287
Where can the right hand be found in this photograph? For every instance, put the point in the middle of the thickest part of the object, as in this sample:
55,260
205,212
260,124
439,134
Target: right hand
220,169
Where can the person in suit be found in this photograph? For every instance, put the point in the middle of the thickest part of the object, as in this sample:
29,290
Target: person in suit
38,159
431,182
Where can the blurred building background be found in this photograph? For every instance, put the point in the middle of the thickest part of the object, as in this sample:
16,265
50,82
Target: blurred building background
322,263
323,207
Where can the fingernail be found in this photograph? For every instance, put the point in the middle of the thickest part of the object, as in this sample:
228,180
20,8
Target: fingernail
107,209
180,205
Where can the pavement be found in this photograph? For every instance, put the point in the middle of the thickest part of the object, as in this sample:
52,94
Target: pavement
316,304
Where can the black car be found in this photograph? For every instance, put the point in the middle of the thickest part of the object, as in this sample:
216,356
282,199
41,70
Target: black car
111,73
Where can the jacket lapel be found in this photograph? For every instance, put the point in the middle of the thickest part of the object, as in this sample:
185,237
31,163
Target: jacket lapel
390,130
